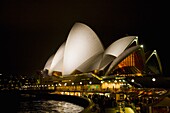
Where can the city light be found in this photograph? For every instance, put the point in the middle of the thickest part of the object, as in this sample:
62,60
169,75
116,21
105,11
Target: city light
153,79
132,80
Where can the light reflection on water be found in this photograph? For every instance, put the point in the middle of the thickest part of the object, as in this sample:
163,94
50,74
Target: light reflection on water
48,106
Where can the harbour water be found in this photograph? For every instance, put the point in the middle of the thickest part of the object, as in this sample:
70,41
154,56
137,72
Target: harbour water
48,106
30,103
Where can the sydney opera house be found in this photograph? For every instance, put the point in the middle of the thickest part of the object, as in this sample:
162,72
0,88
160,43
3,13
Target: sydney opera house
82,63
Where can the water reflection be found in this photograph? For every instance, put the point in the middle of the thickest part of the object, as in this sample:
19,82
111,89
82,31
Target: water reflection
48,106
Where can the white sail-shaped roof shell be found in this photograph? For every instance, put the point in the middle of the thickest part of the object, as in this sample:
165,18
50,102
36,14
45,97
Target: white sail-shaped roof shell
82,43
48,63
84,52
106,60
154,53
57,61
117,47
122,56
91,64
58,67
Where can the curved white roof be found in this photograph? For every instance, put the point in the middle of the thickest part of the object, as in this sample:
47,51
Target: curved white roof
48,63
83,51
107,59
91,64
122,56
57,61
158,60
117,47
82,43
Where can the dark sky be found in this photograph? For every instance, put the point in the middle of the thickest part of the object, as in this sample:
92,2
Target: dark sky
32,30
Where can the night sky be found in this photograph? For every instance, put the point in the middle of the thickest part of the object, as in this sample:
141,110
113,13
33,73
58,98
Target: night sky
32,30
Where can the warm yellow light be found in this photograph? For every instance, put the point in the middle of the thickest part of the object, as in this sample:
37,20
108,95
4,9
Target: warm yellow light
138,74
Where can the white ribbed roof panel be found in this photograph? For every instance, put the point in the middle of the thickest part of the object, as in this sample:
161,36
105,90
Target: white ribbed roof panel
59,66
56,63
48,63
91,64
82,43
107,59
121,57
117,47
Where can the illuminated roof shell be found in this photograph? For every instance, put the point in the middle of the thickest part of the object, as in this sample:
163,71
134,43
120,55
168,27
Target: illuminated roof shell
82,43
57,61
91,64
83,52
49,61
117,47
122,56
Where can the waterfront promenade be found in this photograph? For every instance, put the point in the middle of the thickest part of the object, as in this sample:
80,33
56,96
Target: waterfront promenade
16,96
105,104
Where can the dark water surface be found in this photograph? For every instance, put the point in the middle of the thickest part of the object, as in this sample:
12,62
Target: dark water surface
17,103
48,106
